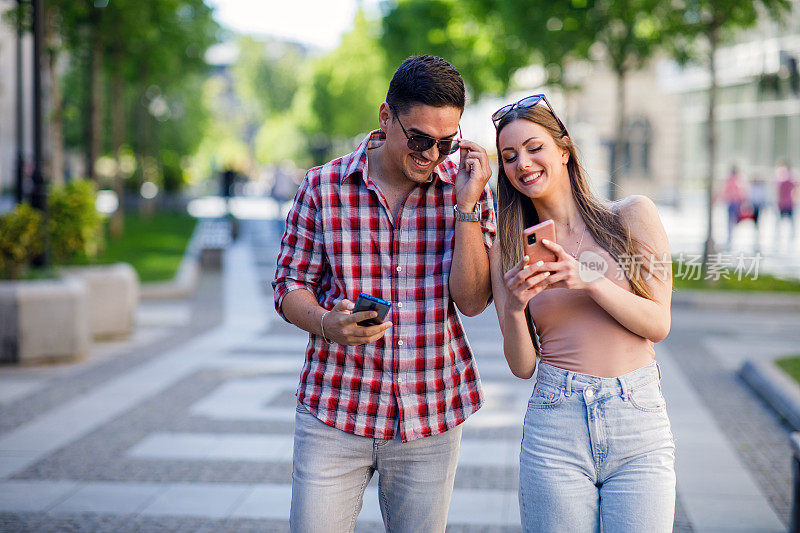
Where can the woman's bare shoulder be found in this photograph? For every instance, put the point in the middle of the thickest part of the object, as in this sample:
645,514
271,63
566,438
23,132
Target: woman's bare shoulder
636,208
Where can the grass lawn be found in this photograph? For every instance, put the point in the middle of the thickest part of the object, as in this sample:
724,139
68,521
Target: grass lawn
762,282
790,365
153,246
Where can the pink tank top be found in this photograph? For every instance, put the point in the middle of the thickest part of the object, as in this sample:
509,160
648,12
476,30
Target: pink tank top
577,334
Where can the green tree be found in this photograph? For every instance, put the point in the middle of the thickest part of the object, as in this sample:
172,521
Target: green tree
152,64
700,26
624,33
266,74
510,34
347,85
471,34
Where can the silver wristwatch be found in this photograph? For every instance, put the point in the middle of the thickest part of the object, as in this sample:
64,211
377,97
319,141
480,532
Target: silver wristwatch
467,217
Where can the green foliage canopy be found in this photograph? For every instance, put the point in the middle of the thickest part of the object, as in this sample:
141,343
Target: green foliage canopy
348,84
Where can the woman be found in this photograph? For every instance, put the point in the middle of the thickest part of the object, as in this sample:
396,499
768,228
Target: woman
735,197
597,446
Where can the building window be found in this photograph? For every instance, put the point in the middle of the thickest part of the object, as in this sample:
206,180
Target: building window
636,152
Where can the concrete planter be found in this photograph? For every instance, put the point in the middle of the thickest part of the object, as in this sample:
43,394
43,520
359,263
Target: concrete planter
113,292
45,320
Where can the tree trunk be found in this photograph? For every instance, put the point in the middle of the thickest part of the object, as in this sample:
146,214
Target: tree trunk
618,163
118,131
141,147
56,103
94,119
708,249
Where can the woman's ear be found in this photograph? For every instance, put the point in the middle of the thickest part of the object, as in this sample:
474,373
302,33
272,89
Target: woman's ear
565,150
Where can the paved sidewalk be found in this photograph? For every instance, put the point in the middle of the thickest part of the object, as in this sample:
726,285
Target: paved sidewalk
188,426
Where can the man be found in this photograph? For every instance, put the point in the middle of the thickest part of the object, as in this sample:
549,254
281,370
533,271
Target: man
399,221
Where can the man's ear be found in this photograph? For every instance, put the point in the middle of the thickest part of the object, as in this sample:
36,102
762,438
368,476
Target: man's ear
384,116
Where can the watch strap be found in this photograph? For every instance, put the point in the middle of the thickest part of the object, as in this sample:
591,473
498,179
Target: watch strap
472,216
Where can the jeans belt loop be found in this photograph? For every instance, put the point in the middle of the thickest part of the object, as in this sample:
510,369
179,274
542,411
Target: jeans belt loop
568,387
624,386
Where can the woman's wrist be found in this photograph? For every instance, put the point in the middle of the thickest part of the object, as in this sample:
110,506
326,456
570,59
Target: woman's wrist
512,312
595,287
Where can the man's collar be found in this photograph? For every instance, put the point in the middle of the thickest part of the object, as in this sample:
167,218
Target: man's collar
375,139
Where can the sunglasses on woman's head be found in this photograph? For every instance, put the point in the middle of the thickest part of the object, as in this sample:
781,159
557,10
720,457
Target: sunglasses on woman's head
419,142
528,101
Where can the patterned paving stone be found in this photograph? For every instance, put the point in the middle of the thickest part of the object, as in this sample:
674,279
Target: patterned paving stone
757,434
103,455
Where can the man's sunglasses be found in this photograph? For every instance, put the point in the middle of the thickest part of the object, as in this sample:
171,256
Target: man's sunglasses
419,142
528,101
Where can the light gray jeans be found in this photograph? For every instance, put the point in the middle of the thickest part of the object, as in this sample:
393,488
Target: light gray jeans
597,453
331,469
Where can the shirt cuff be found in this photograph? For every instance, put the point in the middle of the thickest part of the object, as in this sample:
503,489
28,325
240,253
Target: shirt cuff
282,290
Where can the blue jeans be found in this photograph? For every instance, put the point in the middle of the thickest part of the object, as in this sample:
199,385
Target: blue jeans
597,451
331,469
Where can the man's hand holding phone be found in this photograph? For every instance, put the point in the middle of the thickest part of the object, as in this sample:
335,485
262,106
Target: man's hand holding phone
341,325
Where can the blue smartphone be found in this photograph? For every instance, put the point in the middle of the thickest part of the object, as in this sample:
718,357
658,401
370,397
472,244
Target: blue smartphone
365,302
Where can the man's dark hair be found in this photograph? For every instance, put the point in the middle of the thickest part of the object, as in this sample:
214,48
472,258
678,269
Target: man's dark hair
427,80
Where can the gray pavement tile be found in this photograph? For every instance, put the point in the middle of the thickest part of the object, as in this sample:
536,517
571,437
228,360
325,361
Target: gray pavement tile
173,445
487,477
215,500
254,526
681,523
109,498
484,507
13,387
206,312
727,512
101,455
231,447
704,468
265,501
752,429
33,496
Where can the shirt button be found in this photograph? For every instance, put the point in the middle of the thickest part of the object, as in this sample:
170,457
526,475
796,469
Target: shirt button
399,380
399,269
399,343
399,304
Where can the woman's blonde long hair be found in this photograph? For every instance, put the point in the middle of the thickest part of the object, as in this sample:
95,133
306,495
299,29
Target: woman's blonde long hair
516,211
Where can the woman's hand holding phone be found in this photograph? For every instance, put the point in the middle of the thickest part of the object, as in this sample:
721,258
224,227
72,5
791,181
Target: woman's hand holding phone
565,270
341,325
523,281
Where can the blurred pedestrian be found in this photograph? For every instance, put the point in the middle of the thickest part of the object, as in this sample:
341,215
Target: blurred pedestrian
226,184
283,189
734,195
596,449
758,201
787,187
399,221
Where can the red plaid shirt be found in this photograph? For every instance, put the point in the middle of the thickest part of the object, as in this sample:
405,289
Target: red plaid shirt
341,240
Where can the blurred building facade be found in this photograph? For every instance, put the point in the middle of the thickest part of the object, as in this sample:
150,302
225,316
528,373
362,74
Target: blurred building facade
758,104
665,152
651,151
8,103
652,158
